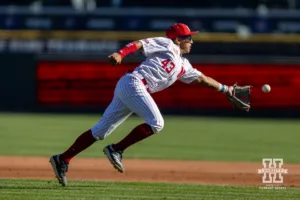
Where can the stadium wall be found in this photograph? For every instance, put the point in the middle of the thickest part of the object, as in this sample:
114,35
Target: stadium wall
29,83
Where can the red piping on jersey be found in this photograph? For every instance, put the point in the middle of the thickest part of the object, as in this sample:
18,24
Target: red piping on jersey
145,83
181,72
128,49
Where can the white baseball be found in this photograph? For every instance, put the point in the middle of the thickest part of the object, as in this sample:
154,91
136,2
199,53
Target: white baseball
266,88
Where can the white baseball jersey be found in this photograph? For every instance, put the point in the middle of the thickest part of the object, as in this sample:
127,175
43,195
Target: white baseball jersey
164,64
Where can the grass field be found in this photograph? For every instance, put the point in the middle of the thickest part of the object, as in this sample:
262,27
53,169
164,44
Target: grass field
191,138
83,190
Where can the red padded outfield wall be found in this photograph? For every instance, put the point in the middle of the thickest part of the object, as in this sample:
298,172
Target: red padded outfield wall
88,84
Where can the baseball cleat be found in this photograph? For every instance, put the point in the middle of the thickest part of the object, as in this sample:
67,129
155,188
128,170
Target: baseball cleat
60,168
115,158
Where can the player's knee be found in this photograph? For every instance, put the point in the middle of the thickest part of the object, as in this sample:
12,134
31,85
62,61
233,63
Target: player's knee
100,132
158,126
96,133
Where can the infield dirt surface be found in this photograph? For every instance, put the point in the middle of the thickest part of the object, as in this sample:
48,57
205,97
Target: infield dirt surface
202,172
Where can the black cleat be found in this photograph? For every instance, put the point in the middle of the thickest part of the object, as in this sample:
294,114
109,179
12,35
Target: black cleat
115,158
60,168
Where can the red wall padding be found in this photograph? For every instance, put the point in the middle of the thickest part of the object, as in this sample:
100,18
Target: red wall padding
92,83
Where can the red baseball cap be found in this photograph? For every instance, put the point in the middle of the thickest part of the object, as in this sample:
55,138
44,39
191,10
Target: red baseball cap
178,30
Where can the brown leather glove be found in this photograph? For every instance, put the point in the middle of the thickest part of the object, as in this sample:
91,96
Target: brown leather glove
240,97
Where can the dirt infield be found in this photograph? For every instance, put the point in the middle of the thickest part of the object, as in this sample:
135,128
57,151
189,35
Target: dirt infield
203,172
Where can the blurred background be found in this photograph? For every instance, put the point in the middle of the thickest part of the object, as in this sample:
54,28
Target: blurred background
55,80
54,53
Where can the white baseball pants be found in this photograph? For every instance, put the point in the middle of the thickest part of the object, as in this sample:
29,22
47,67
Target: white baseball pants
130,96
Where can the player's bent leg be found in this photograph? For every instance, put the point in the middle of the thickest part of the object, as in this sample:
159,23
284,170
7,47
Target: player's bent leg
157,123
139,133
133,93
144,106
138,100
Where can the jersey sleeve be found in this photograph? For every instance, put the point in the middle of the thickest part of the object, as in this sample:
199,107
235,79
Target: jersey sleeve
190,73
155,45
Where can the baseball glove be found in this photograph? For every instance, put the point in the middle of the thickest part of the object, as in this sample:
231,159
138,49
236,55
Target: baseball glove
240,97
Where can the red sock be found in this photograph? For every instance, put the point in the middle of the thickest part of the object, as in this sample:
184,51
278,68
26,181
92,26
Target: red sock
137,134
85,140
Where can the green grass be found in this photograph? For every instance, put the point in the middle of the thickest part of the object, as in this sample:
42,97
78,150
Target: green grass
87,190
192,138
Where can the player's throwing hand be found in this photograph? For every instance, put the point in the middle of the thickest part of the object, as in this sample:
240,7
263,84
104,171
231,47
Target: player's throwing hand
115,59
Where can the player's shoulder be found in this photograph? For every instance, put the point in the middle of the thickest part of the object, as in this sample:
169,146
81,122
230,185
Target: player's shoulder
160,40
169,44
163,39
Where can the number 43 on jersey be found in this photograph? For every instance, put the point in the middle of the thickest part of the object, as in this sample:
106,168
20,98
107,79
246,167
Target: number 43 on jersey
168,65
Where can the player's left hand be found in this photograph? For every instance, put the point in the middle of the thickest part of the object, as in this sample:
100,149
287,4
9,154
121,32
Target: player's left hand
115,59
239,96
230,90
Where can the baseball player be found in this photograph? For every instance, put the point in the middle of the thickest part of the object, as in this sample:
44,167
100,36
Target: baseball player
163,65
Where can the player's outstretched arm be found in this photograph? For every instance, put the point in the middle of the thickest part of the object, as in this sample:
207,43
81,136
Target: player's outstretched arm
213,84
238,96
116,58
